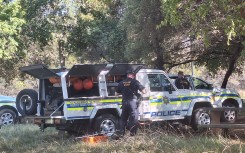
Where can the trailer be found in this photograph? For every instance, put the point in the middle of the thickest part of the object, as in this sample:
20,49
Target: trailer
223,128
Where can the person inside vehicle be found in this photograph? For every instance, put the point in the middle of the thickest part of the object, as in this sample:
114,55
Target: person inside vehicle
181,82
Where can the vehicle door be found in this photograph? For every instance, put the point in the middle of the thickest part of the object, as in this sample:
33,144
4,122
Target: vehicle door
164,98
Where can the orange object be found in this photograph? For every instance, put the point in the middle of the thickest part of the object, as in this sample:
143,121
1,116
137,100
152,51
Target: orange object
54,80
88,84
77,84
95,139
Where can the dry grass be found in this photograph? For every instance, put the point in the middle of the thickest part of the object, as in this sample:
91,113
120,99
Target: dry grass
28,138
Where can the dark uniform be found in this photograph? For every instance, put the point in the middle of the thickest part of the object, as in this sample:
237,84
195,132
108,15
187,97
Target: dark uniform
182,83
129,89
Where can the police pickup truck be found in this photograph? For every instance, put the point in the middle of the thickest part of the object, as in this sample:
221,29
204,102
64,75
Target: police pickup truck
222,97
82,99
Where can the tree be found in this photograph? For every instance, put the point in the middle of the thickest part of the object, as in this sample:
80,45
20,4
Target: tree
144,39
11,21
48,26
148,42
99,33
217,25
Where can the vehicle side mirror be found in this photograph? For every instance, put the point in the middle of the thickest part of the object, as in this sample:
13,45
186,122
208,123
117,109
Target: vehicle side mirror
210,86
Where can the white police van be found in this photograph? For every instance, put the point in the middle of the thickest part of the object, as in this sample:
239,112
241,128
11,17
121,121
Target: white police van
97,109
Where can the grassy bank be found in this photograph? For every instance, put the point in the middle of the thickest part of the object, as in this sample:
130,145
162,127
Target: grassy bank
28,138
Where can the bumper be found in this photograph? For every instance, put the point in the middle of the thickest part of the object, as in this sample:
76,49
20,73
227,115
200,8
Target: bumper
48,121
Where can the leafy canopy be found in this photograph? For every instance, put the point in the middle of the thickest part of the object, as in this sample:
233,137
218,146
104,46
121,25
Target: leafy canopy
11,20
206,16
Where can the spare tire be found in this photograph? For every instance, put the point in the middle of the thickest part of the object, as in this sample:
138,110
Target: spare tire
30,97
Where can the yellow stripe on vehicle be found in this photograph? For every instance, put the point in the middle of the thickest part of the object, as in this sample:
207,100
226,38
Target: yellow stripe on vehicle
81,109
155,97
94,101
156,104
175,102
186,101
226,97
76,102
110,100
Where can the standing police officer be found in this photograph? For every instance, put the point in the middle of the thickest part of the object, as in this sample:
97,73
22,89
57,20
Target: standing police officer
129,89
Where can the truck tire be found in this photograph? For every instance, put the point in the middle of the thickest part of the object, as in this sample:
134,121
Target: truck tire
30,97
200,117
8,116
229,116
106,124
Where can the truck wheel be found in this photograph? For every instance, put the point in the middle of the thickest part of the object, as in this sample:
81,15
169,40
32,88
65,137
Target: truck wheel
8,117
106,124
200,117
30,97
229,116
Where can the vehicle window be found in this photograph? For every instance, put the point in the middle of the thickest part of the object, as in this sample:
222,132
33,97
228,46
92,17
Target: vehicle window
158,82
199,84
173,79
189,80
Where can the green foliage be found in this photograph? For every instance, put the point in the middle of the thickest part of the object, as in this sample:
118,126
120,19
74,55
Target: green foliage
153,32
219,25
98,32
11,20
37,28
48,26
28,138
11,46
145,39
207,16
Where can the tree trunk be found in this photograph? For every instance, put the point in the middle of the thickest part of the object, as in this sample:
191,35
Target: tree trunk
61,54
232,63
159,61
158,50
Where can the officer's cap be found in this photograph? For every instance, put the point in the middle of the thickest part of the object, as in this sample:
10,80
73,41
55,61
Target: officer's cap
180,73
130,72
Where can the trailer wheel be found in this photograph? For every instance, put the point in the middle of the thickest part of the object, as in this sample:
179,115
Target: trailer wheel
200,117
106,124
229,116
30,97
